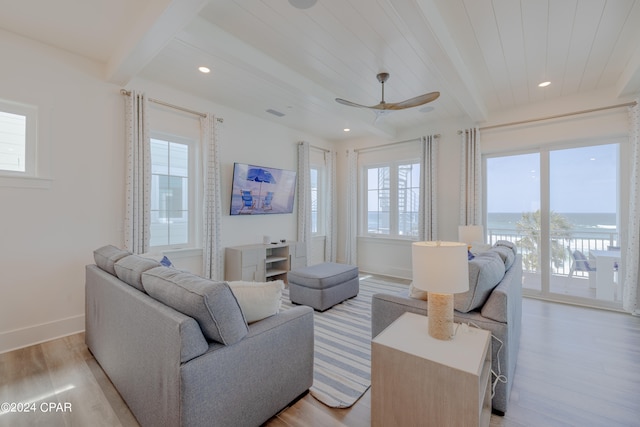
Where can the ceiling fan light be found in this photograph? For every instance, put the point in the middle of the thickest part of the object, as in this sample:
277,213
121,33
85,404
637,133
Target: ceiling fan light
302,4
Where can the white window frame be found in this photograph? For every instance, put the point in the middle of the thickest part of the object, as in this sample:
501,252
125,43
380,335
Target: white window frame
194,189
318,229
393,199
36,165
544,151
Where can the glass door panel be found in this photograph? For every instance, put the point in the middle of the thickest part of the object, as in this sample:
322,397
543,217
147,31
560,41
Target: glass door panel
584,232
513,209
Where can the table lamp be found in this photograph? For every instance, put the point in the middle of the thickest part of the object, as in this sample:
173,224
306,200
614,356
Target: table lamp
441,269
470,234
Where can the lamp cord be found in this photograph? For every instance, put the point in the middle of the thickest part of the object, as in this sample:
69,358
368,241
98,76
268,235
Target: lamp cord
498,375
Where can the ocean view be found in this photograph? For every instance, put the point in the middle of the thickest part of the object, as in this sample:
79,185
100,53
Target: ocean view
585,225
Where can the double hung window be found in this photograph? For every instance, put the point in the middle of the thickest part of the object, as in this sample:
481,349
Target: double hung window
172,201
392,199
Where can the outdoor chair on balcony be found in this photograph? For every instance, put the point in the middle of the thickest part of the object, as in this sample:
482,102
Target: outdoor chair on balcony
579,263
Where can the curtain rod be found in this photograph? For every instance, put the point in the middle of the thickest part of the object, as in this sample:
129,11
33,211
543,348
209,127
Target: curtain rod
316,148
357,150
557,116
175,107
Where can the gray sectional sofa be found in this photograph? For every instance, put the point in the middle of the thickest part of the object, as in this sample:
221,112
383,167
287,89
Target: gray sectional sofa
186,356
493,303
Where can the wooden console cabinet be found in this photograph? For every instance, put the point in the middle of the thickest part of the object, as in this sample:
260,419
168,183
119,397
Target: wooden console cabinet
261,263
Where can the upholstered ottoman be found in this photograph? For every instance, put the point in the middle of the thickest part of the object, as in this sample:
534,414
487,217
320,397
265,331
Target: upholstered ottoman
322,286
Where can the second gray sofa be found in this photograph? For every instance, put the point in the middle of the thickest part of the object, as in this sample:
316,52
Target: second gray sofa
496,308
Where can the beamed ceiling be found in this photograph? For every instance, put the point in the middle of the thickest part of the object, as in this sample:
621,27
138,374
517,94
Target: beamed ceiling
483,56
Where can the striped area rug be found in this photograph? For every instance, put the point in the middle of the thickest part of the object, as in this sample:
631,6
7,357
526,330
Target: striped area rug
342,357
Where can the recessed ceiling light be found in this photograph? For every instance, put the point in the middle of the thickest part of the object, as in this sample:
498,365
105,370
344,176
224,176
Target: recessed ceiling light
204,70
544,84
346,129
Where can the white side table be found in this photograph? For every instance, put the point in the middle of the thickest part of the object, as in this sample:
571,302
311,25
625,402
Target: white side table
417,380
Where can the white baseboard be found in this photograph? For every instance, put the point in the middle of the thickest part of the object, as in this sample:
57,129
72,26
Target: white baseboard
25,337
390,271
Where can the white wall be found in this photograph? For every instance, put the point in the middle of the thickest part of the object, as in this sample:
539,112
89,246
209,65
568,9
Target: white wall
48,235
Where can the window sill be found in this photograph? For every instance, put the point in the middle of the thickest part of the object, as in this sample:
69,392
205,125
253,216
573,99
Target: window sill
25,182
387,239
182,253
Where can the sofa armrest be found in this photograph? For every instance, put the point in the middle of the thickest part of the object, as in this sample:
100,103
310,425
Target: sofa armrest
253,379
140,343
505,302
386,308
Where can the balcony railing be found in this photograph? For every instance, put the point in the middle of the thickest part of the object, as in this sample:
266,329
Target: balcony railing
588,241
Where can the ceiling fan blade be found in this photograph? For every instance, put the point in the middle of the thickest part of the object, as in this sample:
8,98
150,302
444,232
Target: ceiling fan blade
350,104
414,102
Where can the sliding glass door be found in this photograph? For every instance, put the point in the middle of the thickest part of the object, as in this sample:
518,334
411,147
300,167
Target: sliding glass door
561,207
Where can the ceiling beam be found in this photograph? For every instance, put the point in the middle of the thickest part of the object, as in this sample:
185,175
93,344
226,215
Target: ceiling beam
629,82
158,24
268,73
446,58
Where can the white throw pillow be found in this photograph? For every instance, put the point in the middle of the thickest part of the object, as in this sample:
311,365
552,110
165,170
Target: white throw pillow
258,300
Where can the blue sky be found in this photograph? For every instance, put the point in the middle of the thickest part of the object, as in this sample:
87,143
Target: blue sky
582,180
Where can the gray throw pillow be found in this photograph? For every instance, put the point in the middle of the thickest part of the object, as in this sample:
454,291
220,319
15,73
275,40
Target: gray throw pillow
212,304
106,257
486,270
130,268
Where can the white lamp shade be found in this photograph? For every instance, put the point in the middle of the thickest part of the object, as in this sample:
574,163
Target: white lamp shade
470,234
440,267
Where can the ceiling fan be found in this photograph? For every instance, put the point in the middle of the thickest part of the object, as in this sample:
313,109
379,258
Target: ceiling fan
409,103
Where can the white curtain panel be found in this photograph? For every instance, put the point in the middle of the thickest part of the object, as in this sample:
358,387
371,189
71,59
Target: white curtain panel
428,222
351,253
470,178
304,197
138,176
630,296
330,248
212,207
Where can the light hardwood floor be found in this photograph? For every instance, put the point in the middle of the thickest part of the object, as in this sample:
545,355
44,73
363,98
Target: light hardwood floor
576,367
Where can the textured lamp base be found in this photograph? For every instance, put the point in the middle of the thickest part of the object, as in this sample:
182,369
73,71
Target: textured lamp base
440,312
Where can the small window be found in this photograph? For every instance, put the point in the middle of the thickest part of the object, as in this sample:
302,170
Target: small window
172,193
18,124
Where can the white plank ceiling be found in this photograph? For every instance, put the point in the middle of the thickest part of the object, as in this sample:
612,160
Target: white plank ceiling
483,56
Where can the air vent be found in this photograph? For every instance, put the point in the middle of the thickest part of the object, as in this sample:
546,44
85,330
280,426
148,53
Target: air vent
274,112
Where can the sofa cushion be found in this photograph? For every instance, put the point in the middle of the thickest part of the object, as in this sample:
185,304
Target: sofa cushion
212,304
130,268
258,300
106,257
486,270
